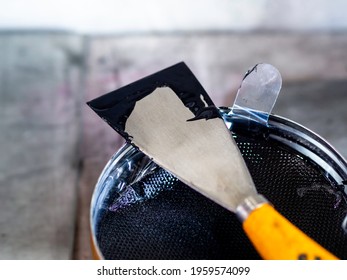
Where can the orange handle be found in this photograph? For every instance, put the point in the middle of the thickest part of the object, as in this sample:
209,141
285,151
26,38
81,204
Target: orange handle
275,238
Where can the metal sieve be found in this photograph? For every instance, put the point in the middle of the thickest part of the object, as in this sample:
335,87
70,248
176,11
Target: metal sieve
140,211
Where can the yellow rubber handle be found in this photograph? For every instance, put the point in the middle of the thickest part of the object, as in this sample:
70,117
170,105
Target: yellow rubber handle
275,238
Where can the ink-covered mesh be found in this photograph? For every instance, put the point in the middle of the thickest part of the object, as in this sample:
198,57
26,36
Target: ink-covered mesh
175,222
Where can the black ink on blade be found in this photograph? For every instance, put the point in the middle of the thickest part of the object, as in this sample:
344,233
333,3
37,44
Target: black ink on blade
209,112
250,71
115,107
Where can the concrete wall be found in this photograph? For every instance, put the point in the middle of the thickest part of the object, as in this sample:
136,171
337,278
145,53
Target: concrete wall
40,105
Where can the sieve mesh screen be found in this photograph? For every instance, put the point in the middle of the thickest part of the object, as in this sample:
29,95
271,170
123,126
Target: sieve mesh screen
168,220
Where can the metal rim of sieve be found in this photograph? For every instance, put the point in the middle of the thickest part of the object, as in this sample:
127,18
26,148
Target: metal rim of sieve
128,164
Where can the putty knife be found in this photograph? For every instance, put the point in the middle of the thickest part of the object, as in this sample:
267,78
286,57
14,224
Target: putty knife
171,118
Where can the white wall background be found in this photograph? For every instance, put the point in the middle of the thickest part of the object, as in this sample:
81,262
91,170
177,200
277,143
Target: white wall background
123,16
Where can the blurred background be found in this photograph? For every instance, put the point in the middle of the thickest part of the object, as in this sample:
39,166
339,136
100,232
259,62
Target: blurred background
56,55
